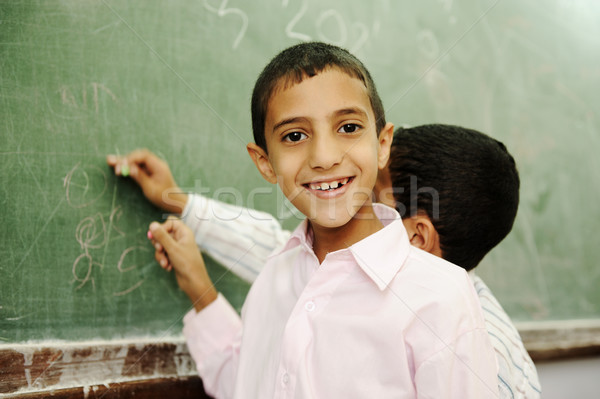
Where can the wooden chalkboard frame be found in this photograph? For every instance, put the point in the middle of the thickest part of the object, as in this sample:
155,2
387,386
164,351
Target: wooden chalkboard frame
32,371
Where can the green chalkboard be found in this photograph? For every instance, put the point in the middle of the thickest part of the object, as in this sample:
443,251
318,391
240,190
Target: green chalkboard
79,80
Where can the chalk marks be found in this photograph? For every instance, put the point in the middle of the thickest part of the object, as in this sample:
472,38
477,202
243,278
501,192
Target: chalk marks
123,268
115,215
88,264
67,96
84,185
130,289
332,17
91,232
120,266
80,193
330,25
289,28
223,11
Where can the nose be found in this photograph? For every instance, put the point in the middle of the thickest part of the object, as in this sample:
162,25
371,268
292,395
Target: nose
326,150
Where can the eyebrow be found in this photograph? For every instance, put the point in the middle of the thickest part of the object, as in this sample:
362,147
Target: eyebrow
350,111
288,121
340,112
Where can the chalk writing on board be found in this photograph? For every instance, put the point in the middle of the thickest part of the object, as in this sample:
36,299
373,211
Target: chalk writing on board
115,215
364,35
328,18
80,193
222,11
121,266
68,98
88,264
92,232
289,28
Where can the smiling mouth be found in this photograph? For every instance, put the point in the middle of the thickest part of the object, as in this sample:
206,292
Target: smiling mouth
330,185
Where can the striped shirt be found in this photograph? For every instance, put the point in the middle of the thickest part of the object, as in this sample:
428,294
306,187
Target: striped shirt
241,239
517,376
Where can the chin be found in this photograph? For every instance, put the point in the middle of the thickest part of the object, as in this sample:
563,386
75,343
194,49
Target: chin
331,221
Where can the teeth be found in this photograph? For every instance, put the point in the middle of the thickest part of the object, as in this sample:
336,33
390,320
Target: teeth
328,186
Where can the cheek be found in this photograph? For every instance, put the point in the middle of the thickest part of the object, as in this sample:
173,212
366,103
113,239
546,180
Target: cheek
286,169
367,160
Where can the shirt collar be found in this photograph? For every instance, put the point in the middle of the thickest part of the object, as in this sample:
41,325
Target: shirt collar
302,235
380,255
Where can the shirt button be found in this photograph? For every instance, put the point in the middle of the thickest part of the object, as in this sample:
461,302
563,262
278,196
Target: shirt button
285,379
309,306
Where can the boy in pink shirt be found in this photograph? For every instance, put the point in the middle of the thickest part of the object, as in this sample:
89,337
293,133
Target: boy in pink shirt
347,308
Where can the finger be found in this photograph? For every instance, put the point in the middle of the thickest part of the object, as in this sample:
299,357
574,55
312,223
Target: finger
157,246
122,168
161,235
139,175
116,162
131,164
112,160
141,166
162,259
159,254
177,229
172,225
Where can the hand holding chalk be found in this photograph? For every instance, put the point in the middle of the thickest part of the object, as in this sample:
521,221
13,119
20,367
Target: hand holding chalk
154,177
125,170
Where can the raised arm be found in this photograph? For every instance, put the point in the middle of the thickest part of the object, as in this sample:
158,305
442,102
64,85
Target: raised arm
238,238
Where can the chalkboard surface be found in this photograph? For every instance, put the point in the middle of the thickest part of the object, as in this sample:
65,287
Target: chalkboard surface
79,80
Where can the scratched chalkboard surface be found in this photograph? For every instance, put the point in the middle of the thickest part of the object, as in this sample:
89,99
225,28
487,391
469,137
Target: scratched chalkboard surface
79,80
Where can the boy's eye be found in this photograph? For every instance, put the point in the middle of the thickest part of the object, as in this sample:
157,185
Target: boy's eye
349,128
294,136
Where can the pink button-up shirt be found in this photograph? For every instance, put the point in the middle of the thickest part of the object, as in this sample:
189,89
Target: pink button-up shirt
380,319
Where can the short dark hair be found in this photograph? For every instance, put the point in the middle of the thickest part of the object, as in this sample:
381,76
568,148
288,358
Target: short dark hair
471,176
301,61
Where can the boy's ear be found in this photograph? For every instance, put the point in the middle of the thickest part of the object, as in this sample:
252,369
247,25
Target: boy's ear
422,234
261,160
385,145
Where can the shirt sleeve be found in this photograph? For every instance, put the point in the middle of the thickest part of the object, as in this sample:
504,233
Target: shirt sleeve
213,337
239,238
516,371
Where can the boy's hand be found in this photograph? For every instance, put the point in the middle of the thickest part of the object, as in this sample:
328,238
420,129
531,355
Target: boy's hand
153,175
175,248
